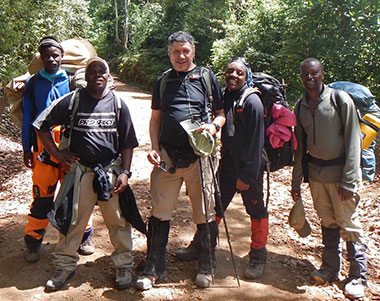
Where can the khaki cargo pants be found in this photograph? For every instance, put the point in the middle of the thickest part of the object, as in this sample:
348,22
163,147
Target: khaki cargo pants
119,230
165,188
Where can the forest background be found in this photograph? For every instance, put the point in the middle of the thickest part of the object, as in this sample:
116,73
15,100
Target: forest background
275,36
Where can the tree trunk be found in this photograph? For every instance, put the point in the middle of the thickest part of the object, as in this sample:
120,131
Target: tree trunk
126,26
117,38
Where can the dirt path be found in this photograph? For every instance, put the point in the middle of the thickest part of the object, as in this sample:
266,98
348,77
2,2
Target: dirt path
291,259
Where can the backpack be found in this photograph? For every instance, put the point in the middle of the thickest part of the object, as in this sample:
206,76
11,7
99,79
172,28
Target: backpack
271,92
205,77
367,110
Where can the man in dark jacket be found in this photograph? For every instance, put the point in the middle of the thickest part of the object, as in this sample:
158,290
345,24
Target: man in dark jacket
241,166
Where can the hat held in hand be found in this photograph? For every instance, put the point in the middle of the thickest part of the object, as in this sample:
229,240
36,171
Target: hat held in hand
298,221
203,142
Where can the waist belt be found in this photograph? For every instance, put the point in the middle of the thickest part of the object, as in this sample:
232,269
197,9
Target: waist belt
336,161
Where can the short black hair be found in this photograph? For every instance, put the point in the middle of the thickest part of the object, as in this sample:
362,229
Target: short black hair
311,60
181,37
49,41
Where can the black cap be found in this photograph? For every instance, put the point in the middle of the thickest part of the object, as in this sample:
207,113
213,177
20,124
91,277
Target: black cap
49,41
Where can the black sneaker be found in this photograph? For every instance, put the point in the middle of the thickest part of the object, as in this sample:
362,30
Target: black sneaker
58,280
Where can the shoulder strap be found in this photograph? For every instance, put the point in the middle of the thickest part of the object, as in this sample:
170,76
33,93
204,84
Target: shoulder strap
297,108
32,82
205,76
118,105
336,101
244,96
32,96
73,107
163,82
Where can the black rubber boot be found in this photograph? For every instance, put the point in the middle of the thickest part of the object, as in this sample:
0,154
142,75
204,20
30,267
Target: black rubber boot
205,263
157,239
330,267
191,252
357,278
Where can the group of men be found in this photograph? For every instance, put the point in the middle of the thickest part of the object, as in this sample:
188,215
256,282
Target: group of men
101,134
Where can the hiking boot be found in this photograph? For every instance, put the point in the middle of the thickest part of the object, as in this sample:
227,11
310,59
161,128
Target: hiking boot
32,257
187,254
322,276
58,280
191,252
123,278
86,247
354,289
254,270
203,280
257,262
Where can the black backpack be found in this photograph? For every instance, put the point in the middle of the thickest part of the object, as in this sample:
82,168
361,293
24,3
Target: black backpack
271,91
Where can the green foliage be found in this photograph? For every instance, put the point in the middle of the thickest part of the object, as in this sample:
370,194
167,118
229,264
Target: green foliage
204,20
25,22
145,26
253,30
343,34
151,24
102,33
275,36
143,68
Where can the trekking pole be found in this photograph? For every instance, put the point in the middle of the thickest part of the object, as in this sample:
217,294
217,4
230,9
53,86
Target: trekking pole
219,200
207,218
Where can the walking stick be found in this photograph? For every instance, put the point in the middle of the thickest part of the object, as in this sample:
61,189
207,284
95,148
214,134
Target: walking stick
219,200
207,218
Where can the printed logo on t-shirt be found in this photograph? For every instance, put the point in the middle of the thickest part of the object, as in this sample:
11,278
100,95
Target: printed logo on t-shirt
96,122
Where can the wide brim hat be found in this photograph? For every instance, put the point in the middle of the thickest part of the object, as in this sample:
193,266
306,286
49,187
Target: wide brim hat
203,143
298,221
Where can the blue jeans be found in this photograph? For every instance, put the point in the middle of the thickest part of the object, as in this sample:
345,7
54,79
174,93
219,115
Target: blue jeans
368,162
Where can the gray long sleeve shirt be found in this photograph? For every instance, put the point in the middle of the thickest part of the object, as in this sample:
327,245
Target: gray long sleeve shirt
329,135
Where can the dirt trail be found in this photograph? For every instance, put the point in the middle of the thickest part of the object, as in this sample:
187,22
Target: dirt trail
291,258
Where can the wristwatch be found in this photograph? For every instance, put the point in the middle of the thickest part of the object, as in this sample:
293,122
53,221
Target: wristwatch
217,126
127,172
